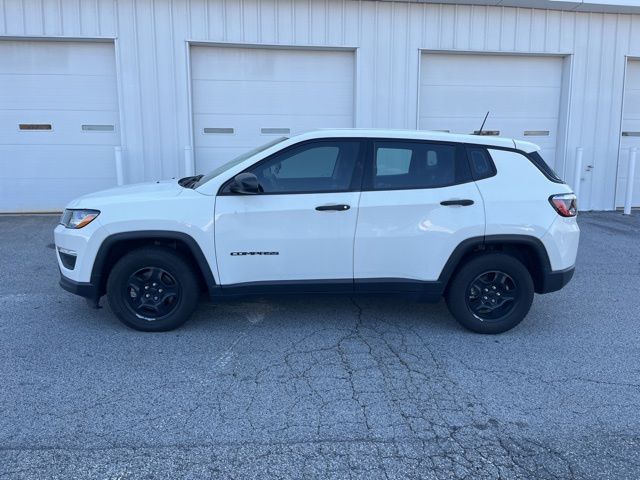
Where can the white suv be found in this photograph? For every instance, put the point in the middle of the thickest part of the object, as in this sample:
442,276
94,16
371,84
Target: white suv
482,221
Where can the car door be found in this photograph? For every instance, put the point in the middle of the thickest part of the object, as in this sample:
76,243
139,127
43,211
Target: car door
300,228
418,203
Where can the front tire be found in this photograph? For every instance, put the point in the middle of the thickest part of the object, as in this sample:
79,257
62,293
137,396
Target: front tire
152,289
492,293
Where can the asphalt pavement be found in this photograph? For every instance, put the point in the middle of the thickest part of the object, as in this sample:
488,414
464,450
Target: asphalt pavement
322,387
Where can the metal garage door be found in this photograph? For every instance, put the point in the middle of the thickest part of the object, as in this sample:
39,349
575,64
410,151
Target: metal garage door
245,97
521,92
630,134
58,122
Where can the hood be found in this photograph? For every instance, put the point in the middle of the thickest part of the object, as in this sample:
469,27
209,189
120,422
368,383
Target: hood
138,192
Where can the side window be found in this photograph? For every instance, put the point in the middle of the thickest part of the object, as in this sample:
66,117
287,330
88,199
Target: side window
318,162
407,164
481,164
392,161
322,166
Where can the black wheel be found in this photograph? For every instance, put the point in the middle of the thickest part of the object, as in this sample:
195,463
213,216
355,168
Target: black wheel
152,289
492,293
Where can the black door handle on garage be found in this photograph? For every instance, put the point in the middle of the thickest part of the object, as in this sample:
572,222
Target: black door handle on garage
462,203
339,208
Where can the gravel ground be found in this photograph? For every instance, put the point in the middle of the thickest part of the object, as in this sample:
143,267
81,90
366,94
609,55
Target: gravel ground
323,387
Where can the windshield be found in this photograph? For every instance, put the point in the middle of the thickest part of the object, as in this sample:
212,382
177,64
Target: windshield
232,163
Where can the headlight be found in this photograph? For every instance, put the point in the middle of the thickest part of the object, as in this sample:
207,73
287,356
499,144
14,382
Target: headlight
78,218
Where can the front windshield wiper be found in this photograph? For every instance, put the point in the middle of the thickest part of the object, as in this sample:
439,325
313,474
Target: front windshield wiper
190,182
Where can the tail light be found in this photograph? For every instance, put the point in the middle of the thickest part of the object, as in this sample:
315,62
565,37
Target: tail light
566,204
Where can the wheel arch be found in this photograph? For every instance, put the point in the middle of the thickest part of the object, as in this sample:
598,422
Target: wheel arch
116,245
528,249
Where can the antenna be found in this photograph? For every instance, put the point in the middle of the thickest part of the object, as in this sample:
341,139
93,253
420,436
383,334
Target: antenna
479,132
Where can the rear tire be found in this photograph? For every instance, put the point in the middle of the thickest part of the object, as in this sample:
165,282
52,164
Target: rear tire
491,293
152,289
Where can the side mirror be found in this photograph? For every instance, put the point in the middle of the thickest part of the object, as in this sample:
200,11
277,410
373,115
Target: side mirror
245,183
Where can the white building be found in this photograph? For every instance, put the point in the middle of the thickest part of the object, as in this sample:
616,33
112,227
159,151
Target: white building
217,77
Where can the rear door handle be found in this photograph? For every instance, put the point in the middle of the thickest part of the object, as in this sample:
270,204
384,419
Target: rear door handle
462,203
340,208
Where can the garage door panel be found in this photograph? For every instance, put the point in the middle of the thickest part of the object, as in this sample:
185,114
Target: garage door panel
239,140
212,157
633,70
31,162
522,94
35,91
631,129
247,129
57,58
623,165
631,105
259,64
540,102
240,98
21,196
213,149
248,89
67,128
507,126
491,70
630,125
66,85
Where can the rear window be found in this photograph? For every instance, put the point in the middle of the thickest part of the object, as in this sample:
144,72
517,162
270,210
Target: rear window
538,161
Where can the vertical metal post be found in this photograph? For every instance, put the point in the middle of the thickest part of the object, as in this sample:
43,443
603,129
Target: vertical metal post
188,161
631,172
119,167
577,173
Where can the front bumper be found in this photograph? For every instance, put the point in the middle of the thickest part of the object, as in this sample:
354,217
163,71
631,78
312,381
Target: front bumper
84,289
82,243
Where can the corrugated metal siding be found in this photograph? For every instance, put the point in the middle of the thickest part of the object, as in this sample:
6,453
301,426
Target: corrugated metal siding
152,58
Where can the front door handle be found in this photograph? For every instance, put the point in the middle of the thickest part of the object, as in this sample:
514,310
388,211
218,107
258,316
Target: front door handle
340,208
462,203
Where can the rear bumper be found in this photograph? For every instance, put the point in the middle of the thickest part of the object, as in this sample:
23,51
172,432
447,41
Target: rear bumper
84,289
554,280
561,242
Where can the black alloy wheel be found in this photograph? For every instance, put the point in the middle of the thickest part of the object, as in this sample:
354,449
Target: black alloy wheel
153,289
152,293
492,295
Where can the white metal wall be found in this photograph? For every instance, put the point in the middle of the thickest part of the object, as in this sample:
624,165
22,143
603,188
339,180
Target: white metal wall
152,61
